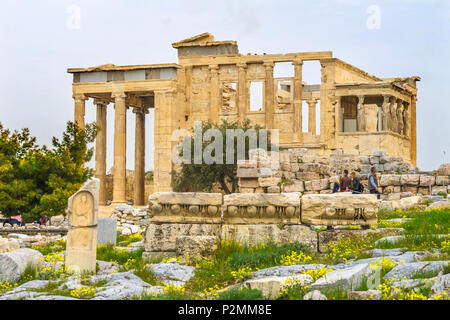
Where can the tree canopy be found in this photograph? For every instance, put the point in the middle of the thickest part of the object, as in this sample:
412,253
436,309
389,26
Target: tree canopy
36,180
204,176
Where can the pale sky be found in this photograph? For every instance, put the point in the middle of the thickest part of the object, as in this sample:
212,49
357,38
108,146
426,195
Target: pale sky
40,40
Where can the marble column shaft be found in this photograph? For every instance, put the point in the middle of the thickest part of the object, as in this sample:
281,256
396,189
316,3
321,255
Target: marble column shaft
120,148
100,149
139,159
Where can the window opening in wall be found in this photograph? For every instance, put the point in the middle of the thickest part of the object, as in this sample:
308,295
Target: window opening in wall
256,96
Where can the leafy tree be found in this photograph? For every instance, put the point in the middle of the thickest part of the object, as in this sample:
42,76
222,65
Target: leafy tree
37,181
203,177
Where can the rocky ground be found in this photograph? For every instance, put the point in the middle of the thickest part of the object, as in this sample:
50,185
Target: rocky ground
413,264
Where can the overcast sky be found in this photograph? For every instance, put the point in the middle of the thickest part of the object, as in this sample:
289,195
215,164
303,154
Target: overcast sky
41,39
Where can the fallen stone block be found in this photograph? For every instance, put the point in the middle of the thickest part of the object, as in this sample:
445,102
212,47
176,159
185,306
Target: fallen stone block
13,264
348,279
271,287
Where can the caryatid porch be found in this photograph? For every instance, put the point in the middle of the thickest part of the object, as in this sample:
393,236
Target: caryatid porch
139,88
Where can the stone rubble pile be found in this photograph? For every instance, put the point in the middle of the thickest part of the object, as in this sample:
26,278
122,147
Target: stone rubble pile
302,172
126,216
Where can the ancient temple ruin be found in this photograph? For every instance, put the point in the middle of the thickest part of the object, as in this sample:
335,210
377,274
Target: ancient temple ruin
359,113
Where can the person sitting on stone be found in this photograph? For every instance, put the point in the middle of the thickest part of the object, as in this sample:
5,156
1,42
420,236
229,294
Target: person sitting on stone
335,185
346,182
357,186
373,182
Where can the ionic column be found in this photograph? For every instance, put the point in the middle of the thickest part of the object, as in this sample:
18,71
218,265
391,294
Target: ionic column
400,116
80,102
385,112
242,91
100,149
361,115
120,148
139,158
312,116
269,96
298,87
214,93
393,109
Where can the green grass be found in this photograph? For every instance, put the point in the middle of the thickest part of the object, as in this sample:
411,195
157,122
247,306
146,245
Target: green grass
294,292
56,246
387,214
241,294
232,256
435,221
108,252
263,257
339,293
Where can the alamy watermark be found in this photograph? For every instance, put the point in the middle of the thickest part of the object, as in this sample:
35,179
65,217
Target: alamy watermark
373,22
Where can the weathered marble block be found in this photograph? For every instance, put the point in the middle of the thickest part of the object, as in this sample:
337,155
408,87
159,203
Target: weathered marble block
107,231
256,234
339,209
262,208
161,237
185,207
81,247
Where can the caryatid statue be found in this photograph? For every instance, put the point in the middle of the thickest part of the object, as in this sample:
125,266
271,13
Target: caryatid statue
394,123
406,126
386,113
361,115
400,116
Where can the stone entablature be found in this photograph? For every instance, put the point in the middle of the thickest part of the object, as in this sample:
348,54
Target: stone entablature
187,207
339,209
241,208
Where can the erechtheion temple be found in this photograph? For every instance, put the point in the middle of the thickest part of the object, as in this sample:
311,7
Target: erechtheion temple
359,113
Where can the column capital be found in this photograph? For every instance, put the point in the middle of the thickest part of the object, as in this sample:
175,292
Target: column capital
297,62
79,97
214,68
118,95
312,101
140,110
101,102
268,65
241,65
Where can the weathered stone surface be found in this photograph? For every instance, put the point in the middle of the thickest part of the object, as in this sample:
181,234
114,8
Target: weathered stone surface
365,295
254,234
185,207
314,295
390,180
106,231
274,189
444,169
261,208
13,264
441,285
317,185
268,182
172,271
426,181
409,269
405,203
328,236
248,183
439,204
194,198
349,279
443,180
162,236
410,179
247,172
339,209
7,245
308,176
247,163
81,246
271,286
195,248
285,271
295,186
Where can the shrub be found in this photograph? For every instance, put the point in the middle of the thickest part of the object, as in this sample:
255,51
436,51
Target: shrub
241,294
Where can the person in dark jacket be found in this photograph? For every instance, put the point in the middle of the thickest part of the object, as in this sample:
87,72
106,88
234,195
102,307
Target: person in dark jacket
373,182
346,182
357,186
